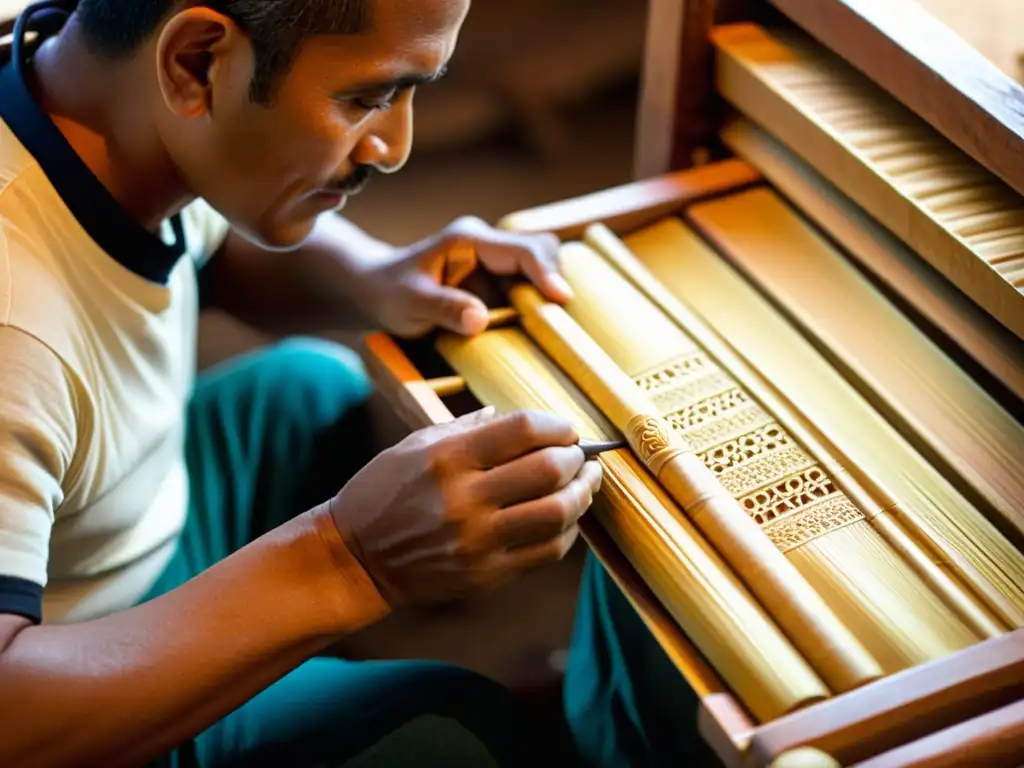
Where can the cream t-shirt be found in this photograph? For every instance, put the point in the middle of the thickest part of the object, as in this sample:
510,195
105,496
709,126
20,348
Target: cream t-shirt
97,347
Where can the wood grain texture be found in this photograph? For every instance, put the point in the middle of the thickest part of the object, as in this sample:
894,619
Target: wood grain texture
633,205
506,369
902,708
993,740
994,349
927,67
956,215
949,419
686,278
671,265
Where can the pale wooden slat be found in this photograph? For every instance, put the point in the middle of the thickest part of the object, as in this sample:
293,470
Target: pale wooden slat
903,707
630,206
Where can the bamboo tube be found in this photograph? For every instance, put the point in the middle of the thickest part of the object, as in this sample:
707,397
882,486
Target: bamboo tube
505,369
832,651
790,497
697,288
958,587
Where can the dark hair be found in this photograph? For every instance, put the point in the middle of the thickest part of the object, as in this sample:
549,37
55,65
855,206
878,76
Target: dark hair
116,28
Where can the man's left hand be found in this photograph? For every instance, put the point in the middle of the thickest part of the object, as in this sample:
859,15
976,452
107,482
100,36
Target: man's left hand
410,300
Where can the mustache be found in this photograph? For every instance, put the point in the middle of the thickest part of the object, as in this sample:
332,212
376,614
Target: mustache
353,183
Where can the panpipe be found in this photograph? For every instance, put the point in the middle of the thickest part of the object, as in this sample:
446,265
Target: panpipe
813,347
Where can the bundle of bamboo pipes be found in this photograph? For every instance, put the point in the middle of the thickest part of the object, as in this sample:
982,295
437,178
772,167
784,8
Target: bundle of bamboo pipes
678,271
787,574
505,368
876,594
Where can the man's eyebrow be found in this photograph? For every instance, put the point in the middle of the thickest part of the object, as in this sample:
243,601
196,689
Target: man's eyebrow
398,83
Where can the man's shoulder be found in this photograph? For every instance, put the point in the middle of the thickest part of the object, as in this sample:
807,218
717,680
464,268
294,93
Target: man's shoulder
36,296
15,159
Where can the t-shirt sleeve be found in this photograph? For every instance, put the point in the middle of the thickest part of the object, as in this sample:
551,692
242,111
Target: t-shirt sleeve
37,442
205,230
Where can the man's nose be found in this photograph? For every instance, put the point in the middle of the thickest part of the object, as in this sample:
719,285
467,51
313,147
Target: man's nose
386,144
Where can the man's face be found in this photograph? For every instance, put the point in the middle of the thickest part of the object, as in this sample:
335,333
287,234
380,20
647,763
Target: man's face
343,111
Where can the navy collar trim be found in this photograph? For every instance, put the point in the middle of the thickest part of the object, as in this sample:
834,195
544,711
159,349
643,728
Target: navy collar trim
118,234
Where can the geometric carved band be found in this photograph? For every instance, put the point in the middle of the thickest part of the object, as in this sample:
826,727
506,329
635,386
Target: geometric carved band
666,376
757,471
776,482
812,521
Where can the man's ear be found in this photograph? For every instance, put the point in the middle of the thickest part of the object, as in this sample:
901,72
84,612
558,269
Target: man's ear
197,50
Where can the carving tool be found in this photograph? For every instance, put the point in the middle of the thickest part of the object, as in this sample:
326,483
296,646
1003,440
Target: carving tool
591,448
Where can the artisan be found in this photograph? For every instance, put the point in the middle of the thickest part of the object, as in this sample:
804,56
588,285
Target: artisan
177,552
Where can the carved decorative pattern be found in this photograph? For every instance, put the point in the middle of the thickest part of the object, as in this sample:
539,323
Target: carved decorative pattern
653,439
762,470
812,522
709,408
716,431
772,477
788,494
691,390
670,374
767,439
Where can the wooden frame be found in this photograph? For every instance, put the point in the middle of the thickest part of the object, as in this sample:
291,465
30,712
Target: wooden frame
915,711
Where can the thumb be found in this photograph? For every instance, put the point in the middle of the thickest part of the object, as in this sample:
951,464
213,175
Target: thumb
473,418
446,429
460,425
450,308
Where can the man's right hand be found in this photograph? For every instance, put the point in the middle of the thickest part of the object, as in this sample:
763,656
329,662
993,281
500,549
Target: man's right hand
465,506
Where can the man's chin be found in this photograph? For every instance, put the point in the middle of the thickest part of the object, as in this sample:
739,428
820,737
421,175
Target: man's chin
328,201
281,236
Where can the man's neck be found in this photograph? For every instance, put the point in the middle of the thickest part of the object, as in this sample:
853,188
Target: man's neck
104,111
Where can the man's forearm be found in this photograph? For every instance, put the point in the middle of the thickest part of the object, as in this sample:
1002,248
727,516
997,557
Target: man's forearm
319,286
130,686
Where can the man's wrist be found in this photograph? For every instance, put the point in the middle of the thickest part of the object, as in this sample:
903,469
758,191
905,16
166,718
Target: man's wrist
351,598
336,267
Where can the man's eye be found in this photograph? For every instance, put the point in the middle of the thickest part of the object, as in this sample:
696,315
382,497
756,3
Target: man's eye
376,102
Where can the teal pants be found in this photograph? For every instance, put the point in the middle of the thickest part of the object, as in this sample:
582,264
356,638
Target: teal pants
626,702
270,435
